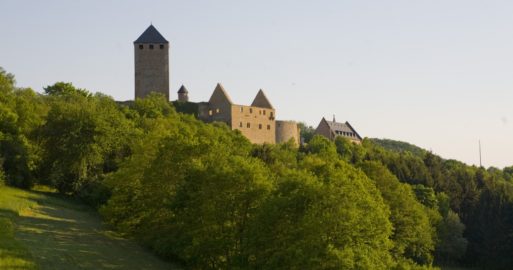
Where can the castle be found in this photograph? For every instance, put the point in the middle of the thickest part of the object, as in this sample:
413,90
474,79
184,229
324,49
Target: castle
257,122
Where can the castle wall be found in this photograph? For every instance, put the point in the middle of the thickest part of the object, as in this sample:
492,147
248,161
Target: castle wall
286,130
257,124
216,112
151,69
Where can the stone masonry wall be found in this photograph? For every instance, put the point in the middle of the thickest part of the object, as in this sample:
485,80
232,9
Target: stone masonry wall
151,69
257,124
286,130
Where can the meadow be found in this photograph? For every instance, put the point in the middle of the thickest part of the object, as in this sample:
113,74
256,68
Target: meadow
42,231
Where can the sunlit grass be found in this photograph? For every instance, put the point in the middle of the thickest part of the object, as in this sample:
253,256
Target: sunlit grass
13,255
43,230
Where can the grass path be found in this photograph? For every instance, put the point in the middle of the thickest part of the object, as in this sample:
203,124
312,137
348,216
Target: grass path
44,232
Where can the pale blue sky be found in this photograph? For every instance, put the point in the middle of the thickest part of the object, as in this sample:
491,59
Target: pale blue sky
438,74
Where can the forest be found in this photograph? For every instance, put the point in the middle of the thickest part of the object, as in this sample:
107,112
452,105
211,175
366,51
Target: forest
203,196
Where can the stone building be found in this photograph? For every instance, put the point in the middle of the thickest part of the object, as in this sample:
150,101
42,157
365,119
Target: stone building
257,121
183,94
333,129
151,53
287,130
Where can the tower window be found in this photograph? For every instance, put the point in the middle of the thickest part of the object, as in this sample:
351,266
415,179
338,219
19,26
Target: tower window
141,47
250,110
151,46
161,46
268,127
264,112
209,112
240,124
241,109
259,126
218,111
248,125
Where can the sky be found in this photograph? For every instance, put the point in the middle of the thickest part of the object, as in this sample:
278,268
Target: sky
437,74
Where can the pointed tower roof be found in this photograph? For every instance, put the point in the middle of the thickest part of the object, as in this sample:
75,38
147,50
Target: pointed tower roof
182,90
219,95
262,101
151,35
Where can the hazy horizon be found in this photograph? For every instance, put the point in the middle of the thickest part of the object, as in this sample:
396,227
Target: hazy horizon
435,74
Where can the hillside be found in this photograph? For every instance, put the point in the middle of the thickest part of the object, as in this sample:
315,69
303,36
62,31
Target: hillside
399,146
39,231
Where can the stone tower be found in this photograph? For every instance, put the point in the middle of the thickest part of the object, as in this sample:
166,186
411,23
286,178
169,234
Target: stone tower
151,53
183,94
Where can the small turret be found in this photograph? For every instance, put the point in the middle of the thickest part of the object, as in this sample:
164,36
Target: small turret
183,94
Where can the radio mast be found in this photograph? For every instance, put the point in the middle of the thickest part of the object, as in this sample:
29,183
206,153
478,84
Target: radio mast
480,164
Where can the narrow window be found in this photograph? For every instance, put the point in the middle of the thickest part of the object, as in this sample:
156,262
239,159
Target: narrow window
264,112
151,46
240,124
218,111
259,126
260,112
250,110
209,112
268,127
141,47
241,109
161,46
272,114
248,125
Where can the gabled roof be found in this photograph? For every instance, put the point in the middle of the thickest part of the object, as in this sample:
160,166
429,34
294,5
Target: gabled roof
182,90
354,130
337,127
261,101
219,95
151,35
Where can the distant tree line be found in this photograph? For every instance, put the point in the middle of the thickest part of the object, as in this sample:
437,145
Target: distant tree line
203,195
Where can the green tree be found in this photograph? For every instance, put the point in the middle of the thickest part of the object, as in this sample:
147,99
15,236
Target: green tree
413,235
64,89
307,132
84,137
452,245
331,219
21,113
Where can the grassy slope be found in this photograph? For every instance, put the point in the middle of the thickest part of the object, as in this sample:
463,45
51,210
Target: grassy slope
398,146
38,231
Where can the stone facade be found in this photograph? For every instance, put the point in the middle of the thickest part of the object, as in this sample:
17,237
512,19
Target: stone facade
151,53
286,130
333,129
254,122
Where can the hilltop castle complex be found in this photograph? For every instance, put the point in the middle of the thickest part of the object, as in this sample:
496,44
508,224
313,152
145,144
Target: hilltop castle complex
257,121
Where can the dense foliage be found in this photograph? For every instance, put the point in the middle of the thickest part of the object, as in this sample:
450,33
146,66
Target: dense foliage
203,195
